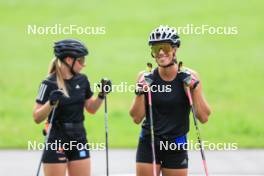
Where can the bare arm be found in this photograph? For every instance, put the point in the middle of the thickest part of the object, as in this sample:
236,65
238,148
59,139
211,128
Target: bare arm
93,104
201,106
137,110
41,112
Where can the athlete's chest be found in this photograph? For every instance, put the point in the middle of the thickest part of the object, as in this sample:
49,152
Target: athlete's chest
173,96
76,90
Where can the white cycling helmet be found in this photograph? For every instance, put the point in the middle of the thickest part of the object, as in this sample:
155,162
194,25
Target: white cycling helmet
164,34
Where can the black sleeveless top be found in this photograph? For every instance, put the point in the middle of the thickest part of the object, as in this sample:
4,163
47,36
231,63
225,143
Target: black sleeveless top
171,109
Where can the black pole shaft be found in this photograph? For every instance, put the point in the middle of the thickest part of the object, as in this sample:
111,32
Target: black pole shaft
106,136
197,131
152,135
46,139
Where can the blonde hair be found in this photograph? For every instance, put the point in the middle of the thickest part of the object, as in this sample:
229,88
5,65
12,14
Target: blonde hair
54,68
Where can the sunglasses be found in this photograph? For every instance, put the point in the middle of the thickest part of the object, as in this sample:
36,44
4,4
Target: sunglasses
165,47
81,60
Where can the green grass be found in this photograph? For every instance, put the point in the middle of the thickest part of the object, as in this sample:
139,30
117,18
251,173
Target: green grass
231,67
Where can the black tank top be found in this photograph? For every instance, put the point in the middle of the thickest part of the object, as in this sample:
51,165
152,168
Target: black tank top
170,109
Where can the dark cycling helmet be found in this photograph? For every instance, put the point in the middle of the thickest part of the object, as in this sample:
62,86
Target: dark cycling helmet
164,34
69,48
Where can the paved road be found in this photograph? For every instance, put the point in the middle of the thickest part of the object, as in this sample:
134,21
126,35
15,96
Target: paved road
220,163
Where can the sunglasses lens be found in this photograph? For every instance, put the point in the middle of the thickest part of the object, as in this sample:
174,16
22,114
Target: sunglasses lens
155,49
81,61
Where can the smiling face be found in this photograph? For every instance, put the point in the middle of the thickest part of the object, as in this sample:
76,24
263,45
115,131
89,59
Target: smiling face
163,53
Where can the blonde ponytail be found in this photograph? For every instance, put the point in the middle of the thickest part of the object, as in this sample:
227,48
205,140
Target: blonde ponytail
54,68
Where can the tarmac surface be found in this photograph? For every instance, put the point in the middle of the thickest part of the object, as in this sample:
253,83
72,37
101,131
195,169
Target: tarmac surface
122,162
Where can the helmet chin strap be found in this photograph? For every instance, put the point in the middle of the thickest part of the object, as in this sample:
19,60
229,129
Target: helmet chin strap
70,67
173,61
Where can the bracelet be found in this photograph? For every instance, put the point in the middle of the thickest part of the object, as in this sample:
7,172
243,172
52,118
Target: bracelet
139,93
196,84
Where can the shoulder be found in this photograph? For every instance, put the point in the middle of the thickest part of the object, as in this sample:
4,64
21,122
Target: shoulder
50,80
140,74
187,70
80,77
84,76
143,73
192,71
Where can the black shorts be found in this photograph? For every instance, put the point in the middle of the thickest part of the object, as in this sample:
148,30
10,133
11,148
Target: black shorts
63,152
67,142
171,159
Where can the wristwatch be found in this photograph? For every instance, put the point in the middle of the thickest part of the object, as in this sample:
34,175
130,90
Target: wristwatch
138,93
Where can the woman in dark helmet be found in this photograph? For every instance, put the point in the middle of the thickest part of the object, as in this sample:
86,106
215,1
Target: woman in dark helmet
170,108
68,90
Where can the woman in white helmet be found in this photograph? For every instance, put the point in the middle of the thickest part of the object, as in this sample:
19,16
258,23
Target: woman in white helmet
171,109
